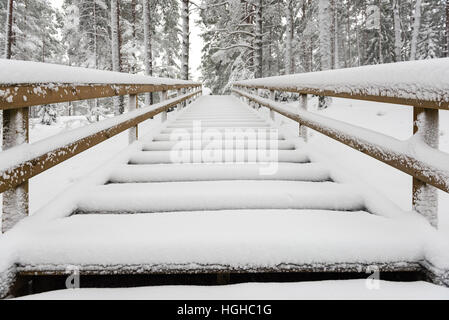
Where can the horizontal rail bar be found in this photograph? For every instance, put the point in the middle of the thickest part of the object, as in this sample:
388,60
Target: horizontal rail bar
27,95
402,155
423,84
47,153
365,97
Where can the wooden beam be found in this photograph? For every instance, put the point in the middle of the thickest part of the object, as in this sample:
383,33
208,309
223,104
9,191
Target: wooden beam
417,168
421,103
18,96
20,173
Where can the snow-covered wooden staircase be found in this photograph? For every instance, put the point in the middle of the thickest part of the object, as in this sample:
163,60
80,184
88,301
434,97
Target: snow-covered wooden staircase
218,189
156,215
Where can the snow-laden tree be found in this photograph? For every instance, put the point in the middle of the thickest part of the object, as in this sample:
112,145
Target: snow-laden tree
30,31
48,114
116,44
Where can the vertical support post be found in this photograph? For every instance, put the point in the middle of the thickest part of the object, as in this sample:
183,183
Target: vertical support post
273,97
303,106
134,131
179,106
16,200
164,97
425,197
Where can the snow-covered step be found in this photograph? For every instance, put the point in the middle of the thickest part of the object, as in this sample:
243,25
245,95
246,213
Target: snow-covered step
221,145
188,136
217,156
253,130
258,240
219,195
226,118
220,124
216,172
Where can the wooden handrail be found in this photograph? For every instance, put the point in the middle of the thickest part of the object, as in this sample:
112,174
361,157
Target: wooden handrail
47,153
423,84
18,96
427,98
367,142
25,84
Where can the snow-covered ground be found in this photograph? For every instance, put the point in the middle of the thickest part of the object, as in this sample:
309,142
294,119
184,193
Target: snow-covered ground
319,290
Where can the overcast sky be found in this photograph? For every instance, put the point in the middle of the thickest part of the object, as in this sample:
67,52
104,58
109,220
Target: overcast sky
196,42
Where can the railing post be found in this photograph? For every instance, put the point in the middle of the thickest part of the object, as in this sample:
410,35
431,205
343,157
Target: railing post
16,200
426,129
273,97
164,96
303,106
179,106
133,105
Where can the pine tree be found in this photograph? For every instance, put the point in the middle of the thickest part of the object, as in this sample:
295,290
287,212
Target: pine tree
185,38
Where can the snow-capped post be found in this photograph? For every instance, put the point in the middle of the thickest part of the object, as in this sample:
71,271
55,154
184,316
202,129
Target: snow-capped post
164,97
15,200
426,130
303,106
8,37
179,106
273,97
133,105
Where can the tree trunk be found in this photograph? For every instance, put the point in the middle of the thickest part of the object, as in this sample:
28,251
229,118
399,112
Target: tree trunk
147,30
397,32
8,39
119,104
336,56
289,38
447,28
324,19
185,39
325,41
416,27
258,41
134,35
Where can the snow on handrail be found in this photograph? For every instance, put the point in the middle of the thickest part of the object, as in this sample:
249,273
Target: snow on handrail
25,84
25,161
413,156
422,84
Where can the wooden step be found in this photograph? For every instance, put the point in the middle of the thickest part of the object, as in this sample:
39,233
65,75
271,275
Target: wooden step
216,172
219,195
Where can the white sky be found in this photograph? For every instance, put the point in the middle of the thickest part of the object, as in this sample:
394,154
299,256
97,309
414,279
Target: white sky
196,43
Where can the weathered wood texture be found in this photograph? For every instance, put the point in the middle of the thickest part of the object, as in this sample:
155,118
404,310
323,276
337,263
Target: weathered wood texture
16,96
426,104
20,173
407,163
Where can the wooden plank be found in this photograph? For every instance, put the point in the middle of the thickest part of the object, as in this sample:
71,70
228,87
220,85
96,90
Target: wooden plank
403,162
17,96
17,175
426,104
38,270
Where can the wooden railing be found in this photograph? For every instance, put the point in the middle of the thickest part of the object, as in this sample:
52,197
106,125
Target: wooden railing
424,85
20,161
